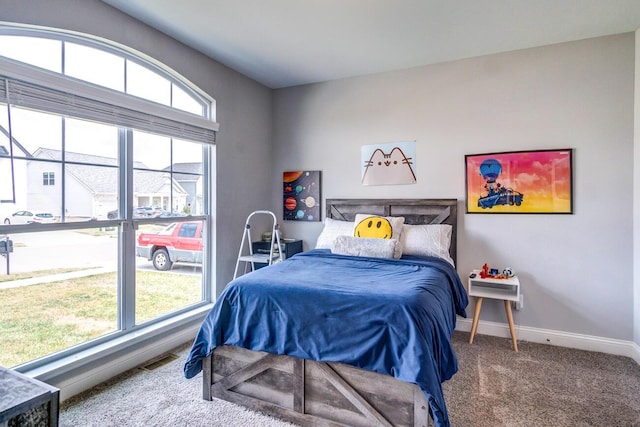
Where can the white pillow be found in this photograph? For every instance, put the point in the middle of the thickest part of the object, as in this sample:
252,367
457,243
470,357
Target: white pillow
427,240
332,229
379,227
376,248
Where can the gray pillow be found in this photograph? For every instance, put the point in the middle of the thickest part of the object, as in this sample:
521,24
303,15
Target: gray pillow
367,247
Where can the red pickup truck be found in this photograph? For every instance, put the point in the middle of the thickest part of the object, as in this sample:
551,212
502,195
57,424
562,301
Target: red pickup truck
178,242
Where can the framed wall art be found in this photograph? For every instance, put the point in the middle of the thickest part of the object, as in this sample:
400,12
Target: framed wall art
301,195
539,181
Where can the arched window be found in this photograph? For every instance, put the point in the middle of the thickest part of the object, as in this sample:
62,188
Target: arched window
101,64
99,145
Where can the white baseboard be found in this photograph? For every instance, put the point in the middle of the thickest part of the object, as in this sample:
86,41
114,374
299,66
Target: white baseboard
559,338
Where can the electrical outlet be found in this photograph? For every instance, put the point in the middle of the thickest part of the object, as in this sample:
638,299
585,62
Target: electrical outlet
518,305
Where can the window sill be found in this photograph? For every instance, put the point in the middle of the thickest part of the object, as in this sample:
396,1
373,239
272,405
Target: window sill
85,369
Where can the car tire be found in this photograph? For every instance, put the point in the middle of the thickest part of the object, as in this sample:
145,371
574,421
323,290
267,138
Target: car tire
7,221
161,260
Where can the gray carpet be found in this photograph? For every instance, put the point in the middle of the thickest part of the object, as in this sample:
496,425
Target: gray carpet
541,385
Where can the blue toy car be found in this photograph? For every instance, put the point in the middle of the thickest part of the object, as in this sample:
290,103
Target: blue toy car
505,196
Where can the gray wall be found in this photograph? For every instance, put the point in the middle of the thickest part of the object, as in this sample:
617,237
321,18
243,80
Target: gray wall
243,157
576,270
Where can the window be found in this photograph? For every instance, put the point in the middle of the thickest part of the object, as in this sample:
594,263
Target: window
100,148
48,178
188,230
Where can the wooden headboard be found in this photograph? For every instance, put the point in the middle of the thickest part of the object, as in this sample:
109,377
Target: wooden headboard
414,211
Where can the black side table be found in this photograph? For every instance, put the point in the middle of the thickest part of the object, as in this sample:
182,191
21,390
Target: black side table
289,247
25,401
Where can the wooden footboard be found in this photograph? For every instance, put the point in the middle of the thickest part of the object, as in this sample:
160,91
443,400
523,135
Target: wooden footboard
312,393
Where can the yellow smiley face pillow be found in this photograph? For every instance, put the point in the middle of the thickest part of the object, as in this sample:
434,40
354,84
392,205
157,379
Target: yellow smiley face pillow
379,227
375,227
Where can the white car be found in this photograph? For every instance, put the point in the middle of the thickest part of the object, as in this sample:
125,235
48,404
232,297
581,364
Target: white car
30,217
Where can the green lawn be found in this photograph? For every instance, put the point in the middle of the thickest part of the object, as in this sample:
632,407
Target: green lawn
38,320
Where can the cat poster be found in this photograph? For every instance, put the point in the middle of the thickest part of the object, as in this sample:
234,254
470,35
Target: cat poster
389,164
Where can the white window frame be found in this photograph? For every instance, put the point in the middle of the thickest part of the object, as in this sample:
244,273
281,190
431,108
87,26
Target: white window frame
18,81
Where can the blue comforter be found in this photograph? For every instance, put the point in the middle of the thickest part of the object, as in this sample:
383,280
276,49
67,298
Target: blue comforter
390,316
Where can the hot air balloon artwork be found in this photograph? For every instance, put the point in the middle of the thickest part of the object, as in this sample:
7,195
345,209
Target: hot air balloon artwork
301,195
520,182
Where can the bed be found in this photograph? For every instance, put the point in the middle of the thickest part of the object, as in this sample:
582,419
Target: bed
329,338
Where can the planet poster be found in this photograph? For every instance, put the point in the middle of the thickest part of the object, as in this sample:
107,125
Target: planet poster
529,182
301,195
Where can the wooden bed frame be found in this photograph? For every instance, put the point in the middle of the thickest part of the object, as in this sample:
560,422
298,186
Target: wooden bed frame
328,394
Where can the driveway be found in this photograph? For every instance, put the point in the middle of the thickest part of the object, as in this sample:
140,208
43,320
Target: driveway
60,249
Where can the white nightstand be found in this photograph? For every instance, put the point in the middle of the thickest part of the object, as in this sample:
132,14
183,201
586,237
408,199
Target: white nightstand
503,289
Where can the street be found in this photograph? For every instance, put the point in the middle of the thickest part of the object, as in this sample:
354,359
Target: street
60,249
72,249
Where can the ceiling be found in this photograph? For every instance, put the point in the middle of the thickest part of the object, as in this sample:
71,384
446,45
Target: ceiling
283,43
